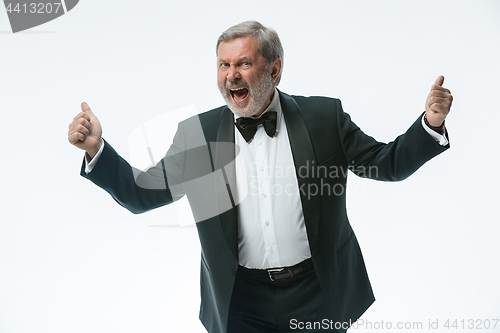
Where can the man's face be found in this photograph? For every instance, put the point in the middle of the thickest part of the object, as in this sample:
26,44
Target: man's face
243,77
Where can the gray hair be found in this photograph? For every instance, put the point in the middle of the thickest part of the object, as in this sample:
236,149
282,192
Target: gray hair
269,44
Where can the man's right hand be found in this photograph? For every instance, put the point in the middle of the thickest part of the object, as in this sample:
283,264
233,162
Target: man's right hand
85,131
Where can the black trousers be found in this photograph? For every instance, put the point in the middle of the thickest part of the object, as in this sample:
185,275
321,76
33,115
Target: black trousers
260,305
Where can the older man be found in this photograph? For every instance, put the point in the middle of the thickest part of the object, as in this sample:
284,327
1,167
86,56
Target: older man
278,252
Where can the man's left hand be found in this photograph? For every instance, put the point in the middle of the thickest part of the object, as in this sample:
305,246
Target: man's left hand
438,103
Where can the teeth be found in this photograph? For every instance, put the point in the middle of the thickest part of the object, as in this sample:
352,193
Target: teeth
236,89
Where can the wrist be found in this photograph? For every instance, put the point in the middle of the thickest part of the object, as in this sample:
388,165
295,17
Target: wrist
94,150
439,129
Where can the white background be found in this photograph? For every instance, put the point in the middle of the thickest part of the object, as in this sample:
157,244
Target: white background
72,260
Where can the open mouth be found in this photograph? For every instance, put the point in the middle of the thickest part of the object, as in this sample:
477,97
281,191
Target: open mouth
239,94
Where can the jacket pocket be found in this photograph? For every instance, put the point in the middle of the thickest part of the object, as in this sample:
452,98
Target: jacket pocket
327,161
204,262
345,243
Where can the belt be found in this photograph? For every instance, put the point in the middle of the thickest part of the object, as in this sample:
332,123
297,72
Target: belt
280,274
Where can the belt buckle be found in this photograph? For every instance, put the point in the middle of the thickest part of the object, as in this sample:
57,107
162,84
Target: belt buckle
269,271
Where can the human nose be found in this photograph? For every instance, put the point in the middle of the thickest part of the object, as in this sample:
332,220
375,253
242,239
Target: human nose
233,74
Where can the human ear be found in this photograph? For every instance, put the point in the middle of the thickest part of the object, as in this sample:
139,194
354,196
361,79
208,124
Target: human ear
275,69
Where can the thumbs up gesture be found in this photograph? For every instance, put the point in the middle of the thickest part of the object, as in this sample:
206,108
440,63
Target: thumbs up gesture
438,103
85,131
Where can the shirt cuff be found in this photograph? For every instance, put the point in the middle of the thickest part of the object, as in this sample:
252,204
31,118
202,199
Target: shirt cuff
441,139
89,165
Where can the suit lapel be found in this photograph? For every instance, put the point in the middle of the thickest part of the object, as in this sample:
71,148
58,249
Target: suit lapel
223,155
304,159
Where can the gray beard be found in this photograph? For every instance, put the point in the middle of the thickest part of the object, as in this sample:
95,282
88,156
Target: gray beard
259,97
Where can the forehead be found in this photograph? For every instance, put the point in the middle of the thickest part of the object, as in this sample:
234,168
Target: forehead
242,47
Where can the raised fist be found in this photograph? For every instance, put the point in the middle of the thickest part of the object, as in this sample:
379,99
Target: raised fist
85,131
438,103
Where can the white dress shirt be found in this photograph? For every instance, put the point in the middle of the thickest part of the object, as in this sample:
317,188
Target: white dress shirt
271,227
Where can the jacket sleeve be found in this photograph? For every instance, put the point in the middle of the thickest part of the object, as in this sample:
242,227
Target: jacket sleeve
136,190
393,161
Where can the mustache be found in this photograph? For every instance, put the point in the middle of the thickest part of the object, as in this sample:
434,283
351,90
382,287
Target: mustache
237,84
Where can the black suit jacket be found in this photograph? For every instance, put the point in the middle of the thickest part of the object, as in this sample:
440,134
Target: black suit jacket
325,143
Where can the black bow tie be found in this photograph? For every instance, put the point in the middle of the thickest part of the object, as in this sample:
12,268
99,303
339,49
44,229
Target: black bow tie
248,126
